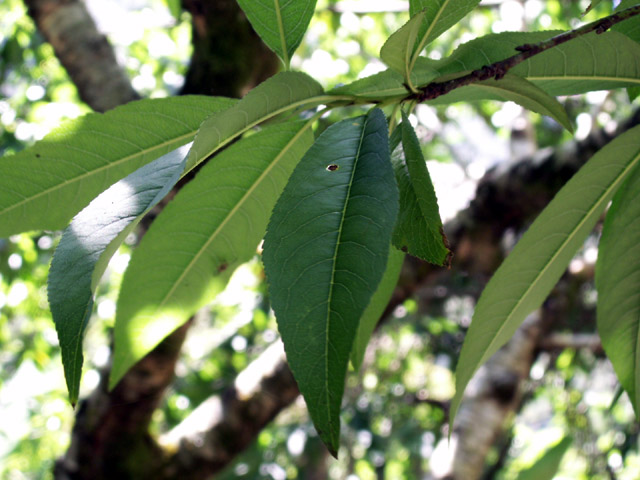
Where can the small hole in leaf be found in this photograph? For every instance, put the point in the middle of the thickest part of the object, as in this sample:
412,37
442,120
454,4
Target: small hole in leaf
333,167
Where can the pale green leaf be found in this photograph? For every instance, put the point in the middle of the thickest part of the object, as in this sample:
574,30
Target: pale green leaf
577,66
89,242
325,252
547,466
280,23
376,306
44,186
386,85
418,230
440,16
538,260
518,90
213,225
618,285
397,51
281,93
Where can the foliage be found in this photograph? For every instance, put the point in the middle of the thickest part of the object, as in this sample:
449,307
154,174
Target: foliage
328,241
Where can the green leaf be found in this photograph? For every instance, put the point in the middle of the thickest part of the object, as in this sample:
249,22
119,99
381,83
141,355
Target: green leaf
538,260
397,51
213,225
440,16
325,252
518,90
418,230
386,85
44,186
90,241
631,26
280,23
547,466
377,305
618,285
577,66
284,92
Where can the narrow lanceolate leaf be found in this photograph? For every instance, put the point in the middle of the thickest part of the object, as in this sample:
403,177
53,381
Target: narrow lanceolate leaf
547,466
516,89
44,186
376,306
280,23
386,85
618,285
279,94
577,66
325,252
214,224
536,263
440,16
418,230
397,51
89,242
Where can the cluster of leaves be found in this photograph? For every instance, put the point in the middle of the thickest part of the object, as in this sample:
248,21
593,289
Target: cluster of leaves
339,211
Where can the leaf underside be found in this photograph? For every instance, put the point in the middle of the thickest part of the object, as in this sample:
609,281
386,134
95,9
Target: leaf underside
325,252
44,186
618,286
281,24
536,263
213,225
89,242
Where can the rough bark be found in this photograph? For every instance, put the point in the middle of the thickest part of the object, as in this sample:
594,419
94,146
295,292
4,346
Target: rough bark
83,51
228,56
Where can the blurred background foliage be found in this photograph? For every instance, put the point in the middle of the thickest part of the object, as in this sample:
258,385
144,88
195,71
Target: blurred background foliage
395,410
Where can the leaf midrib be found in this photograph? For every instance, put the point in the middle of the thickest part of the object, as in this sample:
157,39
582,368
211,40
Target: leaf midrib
97,170
430,28
569,237
283,41
233,211
333,271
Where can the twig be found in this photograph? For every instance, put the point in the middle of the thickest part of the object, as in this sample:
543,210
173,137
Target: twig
498,70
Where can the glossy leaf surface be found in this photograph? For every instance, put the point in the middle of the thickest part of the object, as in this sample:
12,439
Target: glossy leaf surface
418,230
44,186
280,23
213,225
281,93
89,242
325,252
538,260
618,285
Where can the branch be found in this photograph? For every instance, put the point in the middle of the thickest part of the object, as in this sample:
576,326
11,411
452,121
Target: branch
83,51
499,69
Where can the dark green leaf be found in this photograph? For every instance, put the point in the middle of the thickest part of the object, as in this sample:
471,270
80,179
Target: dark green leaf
44,186
538,260
418,230
214,224
280,23
618,285
376,306
89,242
325,252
